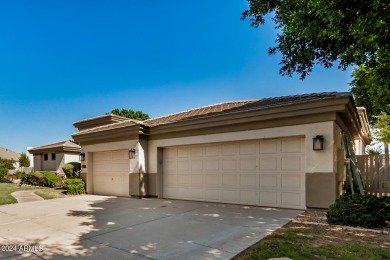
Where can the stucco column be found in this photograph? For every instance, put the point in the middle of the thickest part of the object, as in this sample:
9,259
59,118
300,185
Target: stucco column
87,172
138,176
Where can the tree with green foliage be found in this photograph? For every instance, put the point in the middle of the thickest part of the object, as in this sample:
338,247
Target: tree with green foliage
7,163
382,130
325,32
24,161
371,89
129,113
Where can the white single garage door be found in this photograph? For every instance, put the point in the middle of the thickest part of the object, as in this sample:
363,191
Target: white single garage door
258,172
111,173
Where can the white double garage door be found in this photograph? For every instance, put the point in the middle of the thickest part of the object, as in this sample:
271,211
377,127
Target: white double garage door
259,172
256,172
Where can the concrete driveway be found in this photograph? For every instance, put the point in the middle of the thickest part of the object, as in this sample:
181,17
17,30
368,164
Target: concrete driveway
102,227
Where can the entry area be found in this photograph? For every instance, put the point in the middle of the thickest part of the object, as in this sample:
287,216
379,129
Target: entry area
257,172
111,173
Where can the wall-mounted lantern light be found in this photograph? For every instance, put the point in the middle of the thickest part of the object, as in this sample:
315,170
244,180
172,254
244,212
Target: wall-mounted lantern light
82,157
318,143
132,153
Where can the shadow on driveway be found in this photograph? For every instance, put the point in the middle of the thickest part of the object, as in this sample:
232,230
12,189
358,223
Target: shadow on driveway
102,227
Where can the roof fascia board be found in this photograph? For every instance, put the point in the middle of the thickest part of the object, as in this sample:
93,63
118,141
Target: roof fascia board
123,133
98,121
56,150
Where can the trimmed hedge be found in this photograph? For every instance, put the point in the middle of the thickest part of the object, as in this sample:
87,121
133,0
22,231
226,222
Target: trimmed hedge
34,178
357,210
46,179
68,170
52,179
75,186
76,166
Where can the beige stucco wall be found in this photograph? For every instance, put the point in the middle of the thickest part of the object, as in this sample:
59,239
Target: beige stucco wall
49,165
316,161
60,160
38,162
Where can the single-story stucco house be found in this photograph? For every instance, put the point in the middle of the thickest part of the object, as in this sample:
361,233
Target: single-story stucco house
51,157
255,152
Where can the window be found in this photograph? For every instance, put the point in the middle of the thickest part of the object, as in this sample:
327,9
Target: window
53,156
45,157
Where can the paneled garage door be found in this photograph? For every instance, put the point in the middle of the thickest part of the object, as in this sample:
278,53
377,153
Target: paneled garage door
258,172
111,173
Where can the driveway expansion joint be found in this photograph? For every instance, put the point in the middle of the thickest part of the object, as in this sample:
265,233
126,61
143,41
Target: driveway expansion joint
199,244
121,249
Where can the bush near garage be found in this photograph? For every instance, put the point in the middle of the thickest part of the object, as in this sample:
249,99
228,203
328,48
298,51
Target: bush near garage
75,186
357,210
76,166
386,205
68,170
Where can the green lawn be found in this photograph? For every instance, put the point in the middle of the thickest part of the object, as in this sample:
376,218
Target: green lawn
7,188
47,193
298,241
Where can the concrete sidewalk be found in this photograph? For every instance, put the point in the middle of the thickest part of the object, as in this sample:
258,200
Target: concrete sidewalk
102,227
26,196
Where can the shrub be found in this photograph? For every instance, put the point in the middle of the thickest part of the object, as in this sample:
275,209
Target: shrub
34,178
27,179
357,210
386,206
75,186
76,166
68,170
5,180
3,173
19,175
52,179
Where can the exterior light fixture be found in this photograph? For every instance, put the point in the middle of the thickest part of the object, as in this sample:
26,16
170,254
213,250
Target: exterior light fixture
132,153
318,143
82,157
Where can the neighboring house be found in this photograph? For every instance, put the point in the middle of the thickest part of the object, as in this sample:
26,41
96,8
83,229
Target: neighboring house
51,157
257,152
11,155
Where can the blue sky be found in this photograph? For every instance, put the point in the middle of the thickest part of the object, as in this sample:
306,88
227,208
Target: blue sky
64,61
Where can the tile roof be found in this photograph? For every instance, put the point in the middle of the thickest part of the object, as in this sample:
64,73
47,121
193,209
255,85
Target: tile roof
8,154
121,124
241,106
219,109
62,144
